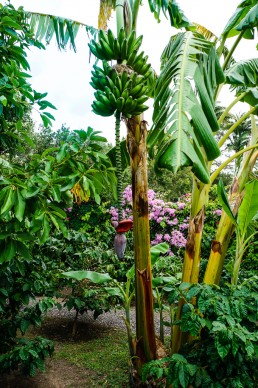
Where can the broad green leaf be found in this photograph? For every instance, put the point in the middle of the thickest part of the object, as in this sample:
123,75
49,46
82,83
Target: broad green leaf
9,250
7,21
54,220
131,272
57,210
114,291
94,277
159,281
243,73
222,349
56,193
244,18
3,100
223,200
249,206
45,230
176,15
19,205
250,21
182,120
62,153
157,250
8,200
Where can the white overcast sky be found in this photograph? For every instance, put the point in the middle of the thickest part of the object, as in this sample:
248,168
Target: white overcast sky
66,75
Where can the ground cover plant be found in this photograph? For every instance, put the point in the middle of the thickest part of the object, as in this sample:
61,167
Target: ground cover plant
195,66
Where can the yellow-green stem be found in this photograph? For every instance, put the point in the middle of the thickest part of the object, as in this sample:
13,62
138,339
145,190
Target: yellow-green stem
145,332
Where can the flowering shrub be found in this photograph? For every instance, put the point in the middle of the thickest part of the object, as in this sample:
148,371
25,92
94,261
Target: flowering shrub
168,221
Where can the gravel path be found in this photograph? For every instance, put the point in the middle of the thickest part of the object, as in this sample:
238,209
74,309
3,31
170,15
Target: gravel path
111,319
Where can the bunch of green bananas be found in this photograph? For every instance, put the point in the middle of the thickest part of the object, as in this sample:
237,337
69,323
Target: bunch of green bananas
124,87
122,49
122,91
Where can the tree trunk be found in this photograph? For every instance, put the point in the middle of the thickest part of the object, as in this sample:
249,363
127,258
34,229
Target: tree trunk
225,228
192,252
145,332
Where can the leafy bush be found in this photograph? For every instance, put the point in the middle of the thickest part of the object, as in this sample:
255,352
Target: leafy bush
222,323
27,355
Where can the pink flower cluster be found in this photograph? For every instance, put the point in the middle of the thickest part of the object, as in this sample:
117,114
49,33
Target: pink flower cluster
217,212
167,222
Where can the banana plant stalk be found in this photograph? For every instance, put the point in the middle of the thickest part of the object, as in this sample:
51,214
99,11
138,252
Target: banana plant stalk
226,227
145,332
192,252
145,347
118,165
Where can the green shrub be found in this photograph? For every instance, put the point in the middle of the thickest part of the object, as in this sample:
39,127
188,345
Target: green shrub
222,323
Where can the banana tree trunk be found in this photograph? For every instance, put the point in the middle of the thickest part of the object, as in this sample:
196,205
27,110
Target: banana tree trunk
192,257
225,228
145,332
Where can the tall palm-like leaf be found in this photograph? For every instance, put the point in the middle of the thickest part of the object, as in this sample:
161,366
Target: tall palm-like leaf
243,77
47,27
243,73
244,20
184,116
170,7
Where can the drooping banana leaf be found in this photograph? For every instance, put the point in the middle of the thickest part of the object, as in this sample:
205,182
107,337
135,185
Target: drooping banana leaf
250,21
176,15
45,27
244,19
243,77
243,73
250,98
249,206
184,117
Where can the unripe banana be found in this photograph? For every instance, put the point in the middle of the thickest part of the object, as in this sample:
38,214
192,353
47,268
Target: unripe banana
128,105
125,94
120,104
116,49
95,51
124,50
102,109
124,78
131,57
141,100
130,41
112,98
111,39
121,37
141,108
137,43
106,49
118,83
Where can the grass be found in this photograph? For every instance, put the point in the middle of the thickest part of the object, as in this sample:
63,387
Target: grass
107,356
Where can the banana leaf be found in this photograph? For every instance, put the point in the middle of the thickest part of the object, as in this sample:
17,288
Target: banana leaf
94,277
243,73
184,116
244,19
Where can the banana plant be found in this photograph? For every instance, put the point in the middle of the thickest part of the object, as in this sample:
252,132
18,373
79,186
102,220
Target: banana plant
184,122
247,212
195,65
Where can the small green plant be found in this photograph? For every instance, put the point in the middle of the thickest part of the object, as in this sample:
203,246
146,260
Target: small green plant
27,356
222,323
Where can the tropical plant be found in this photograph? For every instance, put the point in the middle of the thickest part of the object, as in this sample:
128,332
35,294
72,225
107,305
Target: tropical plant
222,321
246,213
184,124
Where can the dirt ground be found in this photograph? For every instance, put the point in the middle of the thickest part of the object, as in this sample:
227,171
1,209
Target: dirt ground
60,373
